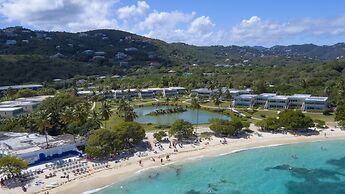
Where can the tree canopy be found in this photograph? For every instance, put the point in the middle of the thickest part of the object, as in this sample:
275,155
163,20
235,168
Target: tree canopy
340,114
11,165
226,127
181,129
287,119
103,143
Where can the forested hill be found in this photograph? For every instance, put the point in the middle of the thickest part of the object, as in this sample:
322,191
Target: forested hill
36,56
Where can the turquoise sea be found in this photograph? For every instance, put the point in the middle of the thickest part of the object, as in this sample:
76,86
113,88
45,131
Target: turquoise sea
307,168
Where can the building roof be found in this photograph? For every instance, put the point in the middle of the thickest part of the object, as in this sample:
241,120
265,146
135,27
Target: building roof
247,96
300,96
35,98
17,87
10,109
20,143
319,99
268,94
203,90
177,88
278,98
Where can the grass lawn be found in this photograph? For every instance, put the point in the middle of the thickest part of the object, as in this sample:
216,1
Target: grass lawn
320,116
115,119
224,104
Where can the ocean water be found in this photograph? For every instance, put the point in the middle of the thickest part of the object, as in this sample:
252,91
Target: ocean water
191,115
306,168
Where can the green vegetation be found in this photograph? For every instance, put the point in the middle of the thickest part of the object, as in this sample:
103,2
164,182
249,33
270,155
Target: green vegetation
11,165
181,129
177,109
103,143
160,135
126,111
289,120
64,113
340,114
225,127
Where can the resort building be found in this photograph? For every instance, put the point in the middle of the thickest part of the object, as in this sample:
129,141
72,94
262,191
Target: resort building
245,100
28,106
180,90
315,104
85,93
156,91
33,148
305,102
18,87
203,92
10,112
261,99
234,92
297,100
169,92
146,93
277,102
10,109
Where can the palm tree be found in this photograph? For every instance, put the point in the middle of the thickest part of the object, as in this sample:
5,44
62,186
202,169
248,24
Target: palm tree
125,111
216,100
105,112
43,123
195,105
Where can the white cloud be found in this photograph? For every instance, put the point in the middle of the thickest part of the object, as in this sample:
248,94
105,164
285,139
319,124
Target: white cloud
165,20
129,11
254,30
201,24
177,26
68,15
171,26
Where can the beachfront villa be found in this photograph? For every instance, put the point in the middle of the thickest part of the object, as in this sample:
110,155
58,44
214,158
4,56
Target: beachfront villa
33,147
305,102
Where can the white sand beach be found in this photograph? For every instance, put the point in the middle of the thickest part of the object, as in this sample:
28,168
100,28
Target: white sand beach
105,176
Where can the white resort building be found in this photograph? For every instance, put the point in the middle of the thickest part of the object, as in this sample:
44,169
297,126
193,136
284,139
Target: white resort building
33,147
305,102
10,109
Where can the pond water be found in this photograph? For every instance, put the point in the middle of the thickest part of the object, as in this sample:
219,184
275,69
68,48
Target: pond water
191,115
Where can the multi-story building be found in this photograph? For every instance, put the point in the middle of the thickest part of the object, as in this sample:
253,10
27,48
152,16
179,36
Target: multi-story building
261,99
277,102
10,112
180,90
315,104
203,92
146,93
305,102
245,100
169,92
297,100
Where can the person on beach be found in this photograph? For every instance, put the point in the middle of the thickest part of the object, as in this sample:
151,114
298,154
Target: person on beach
161,160
140,163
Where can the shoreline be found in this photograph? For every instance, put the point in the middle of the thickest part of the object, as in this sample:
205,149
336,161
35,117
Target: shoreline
127,169
99,181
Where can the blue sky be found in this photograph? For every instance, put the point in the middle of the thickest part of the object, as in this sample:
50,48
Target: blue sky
199,22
